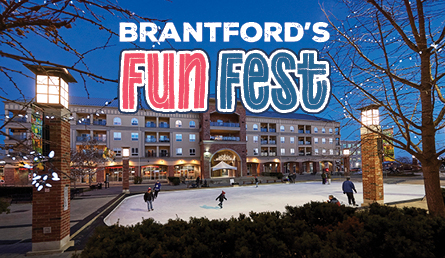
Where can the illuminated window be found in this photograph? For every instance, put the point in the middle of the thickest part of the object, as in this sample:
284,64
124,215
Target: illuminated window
117,121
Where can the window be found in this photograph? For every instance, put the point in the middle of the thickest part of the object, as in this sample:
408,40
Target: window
331,152
323,140
282,139
316,151
282,128
178,123
330,130
323,130
292,139
192,137
117,136
323,151
179,137
359,152
283,151
292,151
255,127
247,138
255,138
134,152
292,129
178,151
315,130
331,141
192,152
117,121
134,121
255,151
118,152
192,124
134,136
316,140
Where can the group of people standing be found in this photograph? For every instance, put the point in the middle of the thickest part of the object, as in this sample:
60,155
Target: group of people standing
326,177
149,196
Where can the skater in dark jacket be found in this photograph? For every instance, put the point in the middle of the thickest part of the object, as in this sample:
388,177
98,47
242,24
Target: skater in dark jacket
149,198
157,188
221,198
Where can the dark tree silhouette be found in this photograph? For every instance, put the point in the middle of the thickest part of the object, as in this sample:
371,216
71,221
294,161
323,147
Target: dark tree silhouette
390,53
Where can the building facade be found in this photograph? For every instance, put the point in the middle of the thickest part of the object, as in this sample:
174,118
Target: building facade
192,144
355,154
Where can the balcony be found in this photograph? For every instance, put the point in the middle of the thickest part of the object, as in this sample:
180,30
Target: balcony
308,131
164,154
300,153
164,140
150,140
150,154
226,124
100,138
300,131
151,124
164,125
99,122
263,129
272,153
264,153
272,130
83,138
308,153
224,138
272,142
308,143
301,142
264,142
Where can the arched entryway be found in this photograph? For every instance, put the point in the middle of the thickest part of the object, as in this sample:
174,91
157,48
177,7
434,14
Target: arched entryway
229,157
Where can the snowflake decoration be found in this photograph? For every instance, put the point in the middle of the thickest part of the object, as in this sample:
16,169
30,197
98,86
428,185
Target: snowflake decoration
40,181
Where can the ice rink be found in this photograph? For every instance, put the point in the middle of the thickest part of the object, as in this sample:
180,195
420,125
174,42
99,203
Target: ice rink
201,202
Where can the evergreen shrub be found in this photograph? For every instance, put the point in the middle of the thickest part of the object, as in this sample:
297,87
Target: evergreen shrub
174,180
312,230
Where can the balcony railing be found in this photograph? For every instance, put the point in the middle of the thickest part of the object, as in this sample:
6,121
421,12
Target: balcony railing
308,143
225,138
84,122
163,154
308,131
263,141
17,137
272,130
264,153
150,154
150,124
301,154
19,119
100,138
300,142
226,124
272,142
99,122
272,153
163,125
83,138
150,140
263,129
164,140
300,131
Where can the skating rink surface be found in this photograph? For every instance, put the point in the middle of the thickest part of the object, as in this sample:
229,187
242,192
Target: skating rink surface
273,197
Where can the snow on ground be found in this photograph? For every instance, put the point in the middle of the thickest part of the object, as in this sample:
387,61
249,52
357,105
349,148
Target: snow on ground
201,202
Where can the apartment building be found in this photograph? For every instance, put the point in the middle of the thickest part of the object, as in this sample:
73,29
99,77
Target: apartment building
193,144
355,153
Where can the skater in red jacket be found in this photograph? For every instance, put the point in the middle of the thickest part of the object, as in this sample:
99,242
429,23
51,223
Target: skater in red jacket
221,198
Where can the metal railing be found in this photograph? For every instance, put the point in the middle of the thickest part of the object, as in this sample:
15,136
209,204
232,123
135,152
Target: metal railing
148,140
150,124
226,124
99,122
163,125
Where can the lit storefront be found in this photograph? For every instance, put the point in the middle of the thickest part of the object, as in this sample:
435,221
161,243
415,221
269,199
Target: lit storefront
154,172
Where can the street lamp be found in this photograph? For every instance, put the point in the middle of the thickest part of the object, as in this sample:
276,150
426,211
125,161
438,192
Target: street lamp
371,146
125,170
51,208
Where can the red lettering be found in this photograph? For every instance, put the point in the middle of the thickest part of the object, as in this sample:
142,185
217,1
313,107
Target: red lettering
130,79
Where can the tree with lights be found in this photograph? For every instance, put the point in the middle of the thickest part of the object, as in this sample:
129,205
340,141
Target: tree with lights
390,53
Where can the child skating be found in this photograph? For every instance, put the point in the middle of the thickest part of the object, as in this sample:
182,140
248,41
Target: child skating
221,198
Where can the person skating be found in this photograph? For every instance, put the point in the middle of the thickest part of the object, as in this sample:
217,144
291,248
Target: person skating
329,178
157,188
198,181
221,198
348,187
149,198
323,177
256,181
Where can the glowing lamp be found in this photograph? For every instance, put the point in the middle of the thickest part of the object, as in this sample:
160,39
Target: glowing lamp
370,115
51,84
126,152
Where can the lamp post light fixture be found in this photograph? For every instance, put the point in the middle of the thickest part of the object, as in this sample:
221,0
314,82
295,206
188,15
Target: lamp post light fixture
371,149
125,170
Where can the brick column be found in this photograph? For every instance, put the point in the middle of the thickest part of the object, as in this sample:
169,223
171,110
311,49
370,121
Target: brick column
9,175
51,206
171,171
100,174
371,167
125,175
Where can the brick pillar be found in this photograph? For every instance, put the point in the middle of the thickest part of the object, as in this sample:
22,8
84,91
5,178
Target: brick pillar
51,206
371,167
100,174
347,166
316,166
9,175
125,175
171,171
300,167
